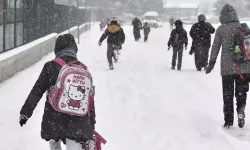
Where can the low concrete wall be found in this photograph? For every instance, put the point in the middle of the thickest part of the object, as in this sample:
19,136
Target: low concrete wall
23,57
74,30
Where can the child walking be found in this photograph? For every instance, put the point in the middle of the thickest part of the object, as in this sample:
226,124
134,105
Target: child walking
69,113
146,30
177,39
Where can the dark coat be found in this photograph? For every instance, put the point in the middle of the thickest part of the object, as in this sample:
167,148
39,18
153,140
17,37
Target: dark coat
56,125
137,27
137,23
201,34
178,37
146,30
115,35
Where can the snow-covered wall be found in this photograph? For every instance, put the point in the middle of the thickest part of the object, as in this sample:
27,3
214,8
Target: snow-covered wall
16,60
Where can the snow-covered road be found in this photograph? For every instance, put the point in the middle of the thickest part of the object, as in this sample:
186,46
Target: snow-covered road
141,105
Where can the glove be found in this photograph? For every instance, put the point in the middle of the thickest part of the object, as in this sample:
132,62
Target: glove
210,67
100,43
22,119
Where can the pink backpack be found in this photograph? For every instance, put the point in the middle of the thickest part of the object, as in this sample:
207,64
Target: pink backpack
74,91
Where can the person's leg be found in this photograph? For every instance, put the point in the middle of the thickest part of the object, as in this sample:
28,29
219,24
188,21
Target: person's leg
241,89
198,60
228,98
174,58
145,38
109,56
115,55
203,57
55,145
180,54
72,145
206,56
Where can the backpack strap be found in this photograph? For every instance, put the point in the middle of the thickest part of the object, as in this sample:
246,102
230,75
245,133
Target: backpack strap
59,61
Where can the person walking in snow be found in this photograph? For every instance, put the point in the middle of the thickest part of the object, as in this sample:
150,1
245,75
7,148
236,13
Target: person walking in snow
102,24
201,35
116,38
234,83
177,40
137,27
171,23
146,30
58,126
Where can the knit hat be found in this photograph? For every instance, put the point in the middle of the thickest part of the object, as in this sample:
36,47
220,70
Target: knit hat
178,23
202,18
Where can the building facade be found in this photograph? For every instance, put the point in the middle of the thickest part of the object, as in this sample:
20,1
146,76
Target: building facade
181,10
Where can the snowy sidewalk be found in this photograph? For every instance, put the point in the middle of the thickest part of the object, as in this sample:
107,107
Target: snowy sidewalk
141,105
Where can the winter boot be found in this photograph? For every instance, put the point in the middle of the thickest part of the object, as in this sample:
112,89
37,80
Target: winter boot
241,117
198,69
205,68
173,67
179,68
111,67
228,125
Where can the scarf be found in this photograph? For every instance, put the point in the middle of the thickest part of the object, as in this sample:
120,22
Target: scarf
66,53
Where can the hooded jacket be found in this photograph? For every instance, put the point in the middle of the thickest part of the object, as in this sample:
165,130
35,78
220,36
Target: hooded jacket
201,32
178,37
115,35
225,38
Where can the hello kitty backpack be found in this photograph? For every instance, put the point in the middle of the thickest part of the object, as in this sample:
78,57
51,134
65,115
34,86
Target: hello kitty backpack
73,92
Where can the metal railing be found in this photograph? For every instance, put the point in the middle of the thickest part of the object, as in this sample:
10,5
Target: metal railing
23,21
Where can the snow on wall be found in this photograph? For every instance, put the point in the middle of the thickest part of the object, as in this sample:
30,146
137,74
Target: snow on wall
16,60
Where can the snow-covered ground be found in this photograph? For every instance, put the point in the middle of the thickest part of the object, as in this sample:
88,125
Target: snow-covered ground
141,105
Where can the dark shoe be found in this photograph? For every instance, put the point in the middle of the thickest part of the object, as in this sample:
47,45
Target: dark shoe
198,69
173,68
179,69
111,67
205,68
241,120
228,125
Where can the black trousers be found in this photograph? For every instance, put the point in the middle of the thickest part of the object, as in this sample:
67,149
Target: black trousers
145,37
177,51
201,56
233,85
137,34
111,53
